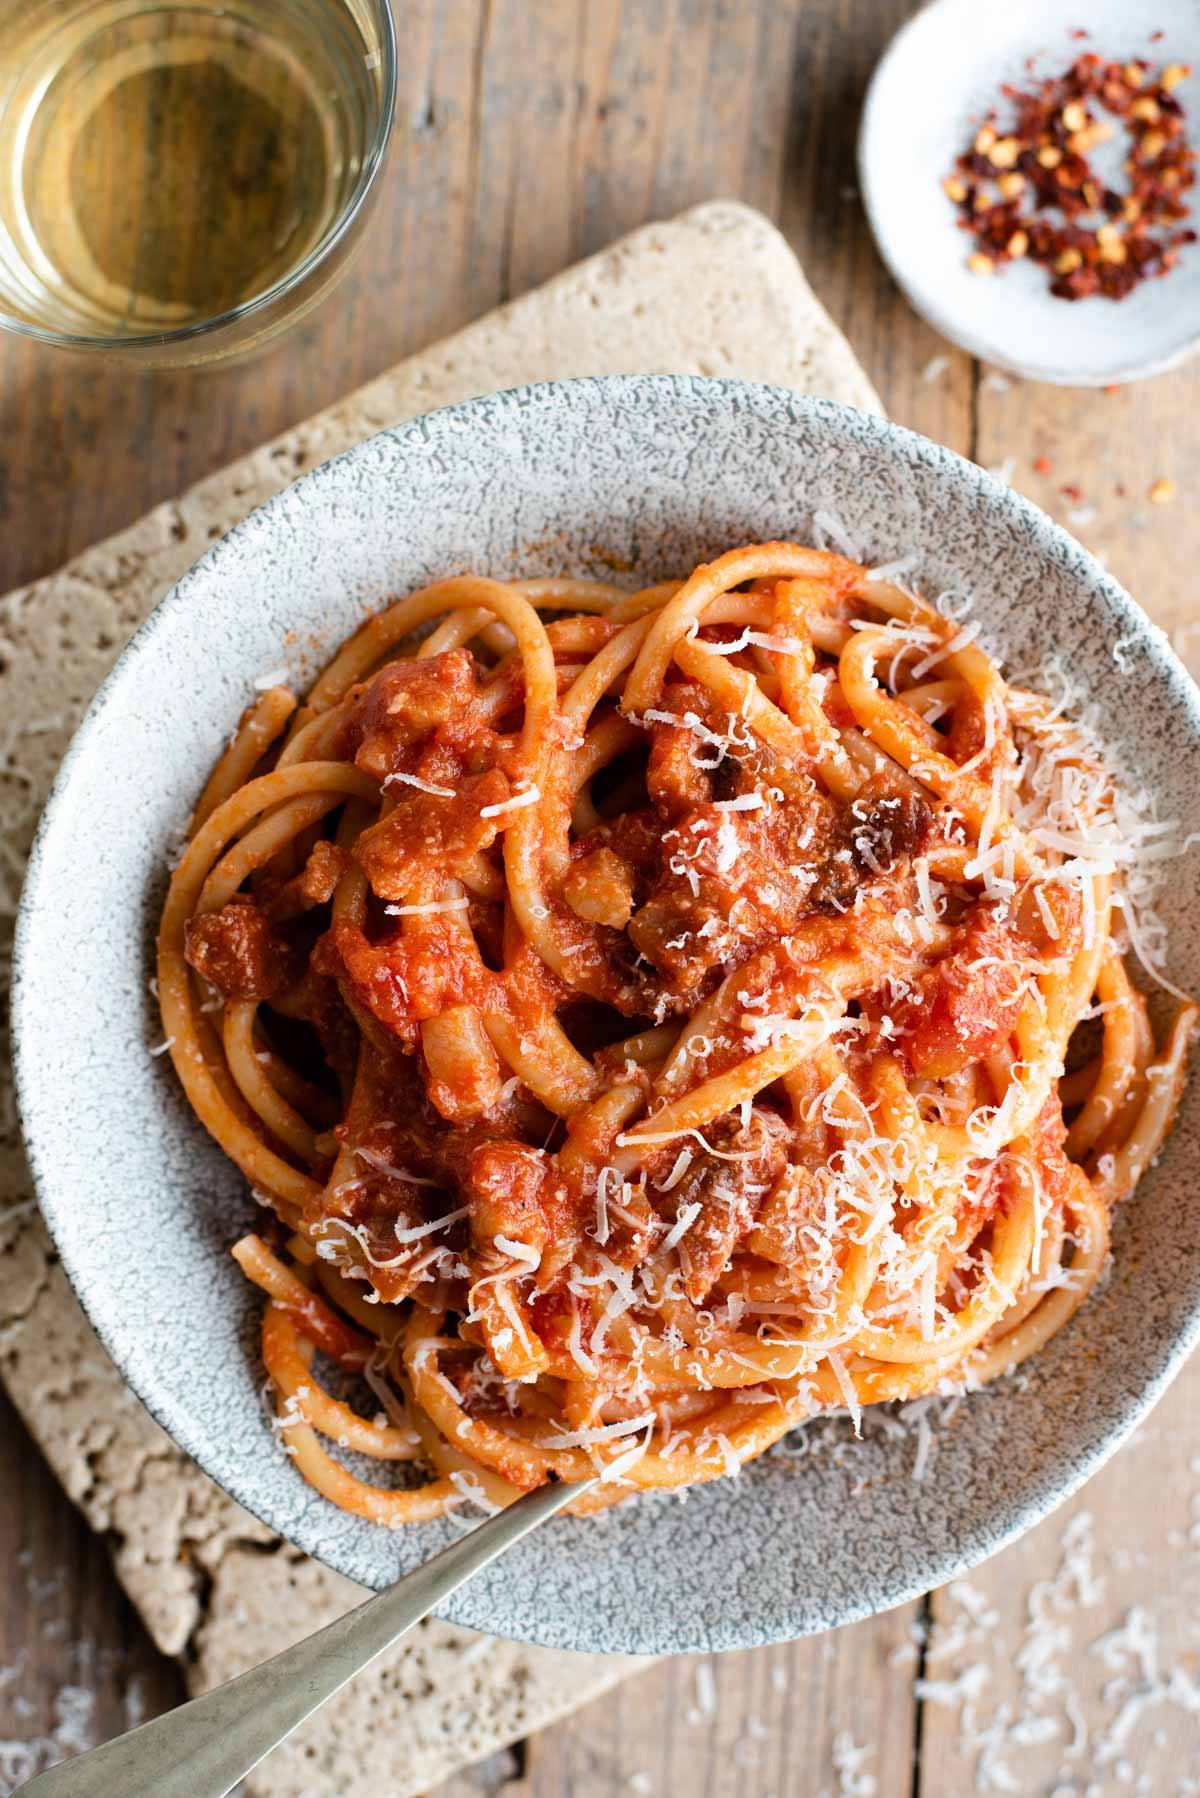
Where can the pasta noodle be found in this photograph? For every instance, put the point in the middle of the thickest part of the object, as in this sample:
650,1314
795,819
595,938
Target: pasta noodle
648,1018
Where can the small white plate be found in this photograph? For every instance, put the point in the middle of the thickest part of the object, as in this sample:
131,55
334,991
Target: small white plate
941,72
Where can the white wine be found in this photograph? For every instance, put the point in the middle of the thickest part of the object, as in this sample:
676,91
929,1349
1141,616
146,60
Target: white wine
162,164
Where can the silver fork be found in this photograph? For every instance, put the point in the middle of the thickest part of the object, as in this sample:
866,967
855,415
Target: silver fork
202,1749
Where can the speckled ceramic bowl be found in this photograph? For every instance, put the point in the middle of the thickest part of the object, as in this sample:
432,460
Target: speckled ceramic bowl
940,74
659,473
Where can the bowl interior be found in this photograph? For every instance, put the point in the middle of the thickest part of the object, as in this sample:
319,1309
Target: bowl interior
942,73
651,474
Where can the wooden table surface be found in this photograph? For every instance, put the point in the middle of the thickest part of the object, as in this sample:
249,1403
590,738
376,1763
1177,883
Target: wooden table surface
530,134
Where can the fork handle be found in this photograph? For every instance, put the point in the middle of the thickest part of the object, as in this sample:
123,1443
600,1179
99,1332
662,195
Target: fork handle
202,1749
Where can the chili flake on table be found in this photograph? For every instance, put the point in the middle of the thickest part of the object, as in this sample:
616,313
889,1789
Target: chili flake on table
1028,189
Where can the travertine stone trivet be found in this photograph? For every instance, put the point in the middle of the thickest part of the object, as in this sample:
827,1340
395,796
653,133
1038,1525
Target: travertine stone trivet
716,291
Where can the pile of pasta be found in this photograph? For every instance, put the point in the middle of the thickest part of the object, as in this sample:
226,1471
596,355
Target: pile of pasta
653,1018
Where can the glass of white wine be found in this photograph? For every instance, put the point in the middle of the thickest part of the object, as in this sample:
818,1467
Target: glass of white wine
182,179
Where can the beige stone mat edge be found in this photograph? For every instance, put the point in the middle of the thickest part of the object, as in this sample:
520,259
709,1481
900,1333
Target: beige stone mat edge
714,292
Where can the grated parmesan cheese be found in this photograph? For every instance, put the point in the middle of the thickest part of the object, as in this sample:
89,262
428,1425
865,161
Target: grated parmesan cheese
415,1232
745,802
829,528
684,1219
519,1251
383,1166
605,1432
423,786
526,796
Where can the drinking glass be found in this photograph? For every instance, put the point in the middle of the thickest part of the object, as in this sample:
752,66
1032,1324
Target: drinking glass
182,179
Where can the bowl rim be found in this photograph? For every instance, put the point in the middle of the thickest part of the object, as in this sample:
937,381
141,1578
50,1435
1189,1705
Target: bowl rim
1044,1491
944,321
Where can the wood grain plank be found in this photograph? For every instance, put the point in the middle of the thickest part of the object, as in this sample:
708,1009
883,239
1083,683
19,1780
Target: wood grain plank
75,1663
533,91
1091,458
409,285
702,148
626,53
834,48
789,1720
1069,1663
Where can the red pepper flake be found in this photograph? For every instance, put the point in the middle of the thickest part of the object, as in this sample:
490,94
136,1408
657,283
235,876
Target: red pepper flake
1120,490
1053,206
1071,492
1078,34
1042,465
